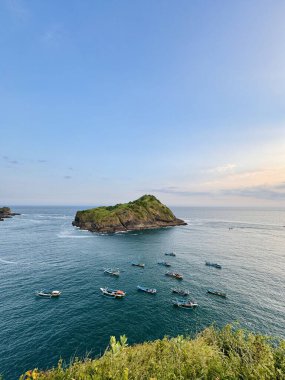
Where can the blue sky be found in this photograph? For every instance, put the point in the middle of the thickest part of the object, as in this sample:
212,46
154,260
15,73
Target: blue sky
103,101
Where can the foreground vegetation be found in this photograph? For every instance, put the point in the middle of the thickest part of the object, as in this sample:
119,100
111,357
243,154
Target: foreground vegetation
214,354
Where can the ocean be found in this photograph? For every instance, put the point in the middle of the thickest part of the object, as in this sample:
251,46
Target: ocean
42,250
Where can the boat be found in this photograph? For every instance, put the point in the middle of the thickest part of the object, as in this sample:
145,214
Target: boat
181,292
186,304
112,272
170,254
116,293
48,293
146,290
138,265
178,276
213,265
217,293
166,264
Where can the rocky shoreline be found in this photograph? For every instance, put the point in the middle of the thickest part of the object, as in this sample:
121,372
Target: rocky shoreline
5,213
144,213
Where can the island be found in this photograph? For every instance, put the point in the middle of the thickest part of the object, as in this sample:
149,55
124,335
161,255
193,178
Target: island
5,212
147,212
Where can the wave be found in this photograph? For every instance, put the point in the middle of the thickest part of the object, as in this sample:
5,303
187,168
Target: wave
7,261
66,234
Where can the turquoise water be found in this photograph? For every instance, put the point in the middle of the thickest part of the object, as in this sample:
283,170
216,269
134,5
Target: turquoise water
40,249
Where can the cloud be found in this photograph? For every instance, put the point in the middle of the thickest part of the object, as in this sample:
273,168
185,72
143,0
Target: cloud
67,177
5,157
42,161
223,169
275,192
187,193
258,192
15,162
280,186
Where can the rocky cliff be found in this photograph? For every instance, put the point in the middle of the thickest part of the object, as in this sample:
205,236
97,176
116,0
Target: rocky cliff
5,212
144,213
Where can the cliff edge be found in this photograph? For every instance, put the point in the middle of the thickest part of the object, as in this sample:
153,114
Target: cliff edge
146,212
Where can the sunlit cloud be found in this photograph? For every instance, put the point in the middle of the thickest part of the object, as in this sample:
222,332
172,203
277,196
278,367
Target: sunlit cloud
222,169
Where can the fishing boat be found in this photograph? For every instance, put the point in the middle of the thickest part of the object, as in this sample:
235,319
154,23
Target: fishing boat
112,272
48,293
146,290
170,254
217,293
186,304
164,263
213,265
138,265
116,293
181,292
178,276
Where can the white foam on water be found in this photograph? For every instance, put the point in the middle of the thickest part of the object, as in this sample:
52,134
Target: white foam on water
7,261
69,234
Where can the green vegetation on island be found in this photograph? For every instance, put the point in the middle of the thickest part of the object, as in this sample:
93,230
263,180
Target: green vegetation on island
214,354
144,213
5,212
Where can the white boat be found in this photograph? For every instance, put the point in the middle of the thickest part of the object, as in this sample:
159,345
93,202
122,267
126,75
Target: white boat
184,304
112,272
116,293
48,293
176,275
141,265
181,292
170,254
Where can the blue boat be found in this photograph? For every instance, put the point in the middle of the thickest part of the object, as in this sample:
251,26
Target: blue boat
164,263
146,290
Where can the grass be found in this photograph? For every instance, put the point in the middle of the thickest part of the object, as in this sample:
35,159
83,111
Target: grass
143,208
214,354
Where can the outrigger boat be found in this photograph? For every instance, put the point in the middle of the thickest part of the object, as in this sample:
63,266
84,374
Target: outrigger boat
170,254
146,290
178,276
138,265
48,293
184,304
166,264
181,292
113,293
217,293
112,272
213,265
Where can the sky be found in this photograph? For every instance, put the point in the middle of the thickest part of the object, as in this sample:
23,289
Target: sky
104,101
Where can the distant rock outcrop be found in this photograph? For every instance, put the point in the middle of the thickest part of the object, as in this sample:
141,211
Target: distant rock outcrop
146,212
5,212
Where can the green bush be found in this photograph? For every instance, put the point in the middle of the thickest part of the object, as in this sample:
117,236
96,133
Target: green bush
229,353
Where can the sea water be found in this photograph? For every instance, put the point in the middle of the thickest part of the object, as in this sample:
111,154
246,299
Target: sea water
42,250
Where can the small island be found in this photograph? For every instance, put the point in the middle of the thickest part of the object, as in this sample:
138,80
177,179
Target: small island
5,212
146,212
